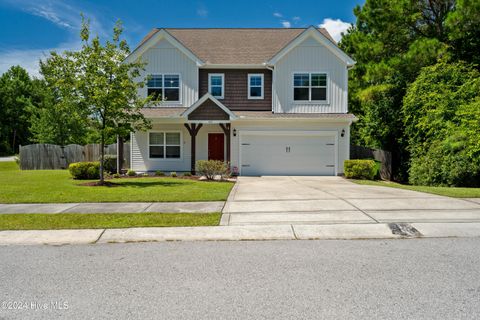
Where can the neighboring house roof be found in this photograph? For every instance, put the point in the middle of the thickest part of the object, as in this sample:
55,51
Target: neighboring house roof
158,112
235,46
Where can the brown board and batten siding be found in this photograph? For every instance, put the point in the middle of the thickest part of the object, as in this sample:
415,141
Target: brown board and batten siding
208,111
236,89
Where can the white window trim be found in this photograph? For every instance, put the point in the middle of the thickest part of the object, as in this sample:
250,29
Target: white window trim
222,75
310,101
167,102
165,145
250,75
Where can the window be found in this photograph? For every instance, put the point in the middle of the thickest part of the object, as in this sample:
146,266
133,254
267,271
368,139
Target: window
255,86
165,145
310,87
164,87
216,84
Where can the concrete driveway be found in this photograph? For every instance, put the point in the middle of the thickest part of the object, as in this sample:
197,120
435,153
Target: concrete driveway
328,200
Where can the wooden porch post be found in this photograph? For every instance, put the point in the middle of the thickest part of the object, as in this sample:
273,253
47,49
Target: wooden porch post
193,130
226,129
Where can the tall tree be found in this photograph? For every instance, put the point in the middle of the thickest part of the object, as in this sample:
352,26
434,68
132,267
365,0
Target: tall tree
105,85
391,41
17,97
60,119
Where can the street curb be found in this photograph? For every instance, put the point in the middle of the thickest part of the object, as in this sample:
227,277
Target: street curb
241,233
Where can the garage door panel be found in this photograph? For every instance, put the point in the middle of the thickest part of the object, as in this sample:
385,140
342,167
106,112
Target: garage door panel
284,154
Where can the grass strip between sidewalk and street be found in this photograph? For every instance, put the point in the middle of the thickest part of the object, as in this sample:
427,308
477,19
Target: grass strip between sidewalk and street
454,192
41,221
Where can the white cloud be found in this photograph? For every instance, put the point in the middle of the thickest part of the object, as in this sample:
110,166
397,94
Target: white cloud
61,14
29,58
277,15
286,24
335,27
296,18
202,12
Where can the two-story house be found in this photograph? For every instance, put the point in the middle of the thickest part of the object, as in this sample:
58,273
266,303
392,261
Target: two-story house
268,101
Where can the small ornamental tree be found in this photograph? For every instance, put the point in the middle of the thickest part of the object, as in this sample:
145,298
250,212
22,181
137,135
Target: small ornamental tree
107,88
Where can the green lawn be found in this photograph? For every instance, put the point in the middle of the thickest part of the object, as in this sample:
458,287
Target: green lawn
56,186
105,220
442,191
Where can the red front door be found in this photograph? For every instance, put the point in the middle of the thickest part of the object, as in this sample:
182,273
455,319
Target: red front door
216,146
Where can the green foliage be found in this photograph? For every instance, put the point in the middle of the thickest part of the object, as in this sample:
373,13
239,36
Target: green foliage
211,168
173,174
19,96
187,174
391,42
442,120
131,173
463,30
84,170
116,175
96,84
360,169
159,173
110,163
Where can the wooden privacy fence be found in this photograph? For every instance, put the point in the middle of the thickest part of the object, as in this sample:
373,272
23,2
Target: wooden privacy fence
385,157
51,156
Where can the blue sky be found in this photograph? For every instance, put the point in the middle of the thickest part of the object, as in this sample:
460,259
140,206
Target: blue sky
29,29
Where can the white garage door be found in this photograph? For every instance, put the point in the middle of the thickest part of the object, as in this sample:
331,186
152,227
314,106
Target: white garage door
287,153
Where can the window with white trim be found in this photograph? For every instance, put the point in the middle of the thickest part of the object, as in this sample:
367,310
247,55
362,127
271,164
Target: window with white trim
164,87
310,86
216,84
164,145
255,86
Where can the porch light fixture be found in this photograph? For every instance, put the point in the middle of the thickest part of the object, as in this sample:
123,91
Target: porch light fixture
343,133
234,132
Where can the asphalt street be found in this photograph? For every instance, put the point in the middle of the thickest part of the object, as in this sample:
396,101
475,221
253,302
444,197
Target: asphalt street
360,279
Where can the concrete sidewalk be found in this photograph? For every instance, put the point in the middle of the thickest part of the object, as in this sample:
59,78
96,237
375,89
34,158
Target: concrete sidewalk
235,233
113,207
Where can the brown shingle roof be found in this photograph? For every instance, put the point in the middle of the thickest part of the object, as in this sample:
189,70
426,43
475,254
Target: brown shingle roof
235,46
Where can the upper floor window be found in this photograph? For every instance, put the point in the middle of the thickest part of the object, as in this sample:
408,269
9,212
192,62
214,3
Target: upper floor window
310,86
255,86
164,87
164,145
216,84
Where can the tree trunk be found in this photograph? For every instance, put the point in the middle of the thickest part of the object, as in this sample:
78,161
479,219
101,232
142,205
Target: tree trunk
119,154
14,141
102,157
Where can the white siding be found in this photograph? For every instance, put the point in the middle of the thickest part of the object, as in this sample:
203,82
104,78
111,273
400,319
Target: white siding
140,150
165,58
310,56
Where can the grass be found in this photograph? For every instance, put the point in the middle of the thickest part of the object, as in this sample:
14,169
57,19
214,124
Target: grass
105,220
442,191
56,186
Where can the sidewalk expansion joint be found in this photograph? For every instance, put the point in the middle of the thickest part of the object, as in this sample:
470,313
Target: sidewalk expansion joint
100,236
147,207
293,230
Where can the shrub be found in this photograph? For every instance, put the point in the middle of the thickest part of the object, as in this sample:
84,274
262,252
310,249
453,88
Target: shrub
173,174
116,175
360,169
85,170
145,174
131,173
159,173
110,163
211,168
187,174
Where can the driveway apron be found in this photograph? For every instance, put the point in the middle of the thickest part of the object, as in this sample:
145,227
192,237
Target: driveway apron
331,200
